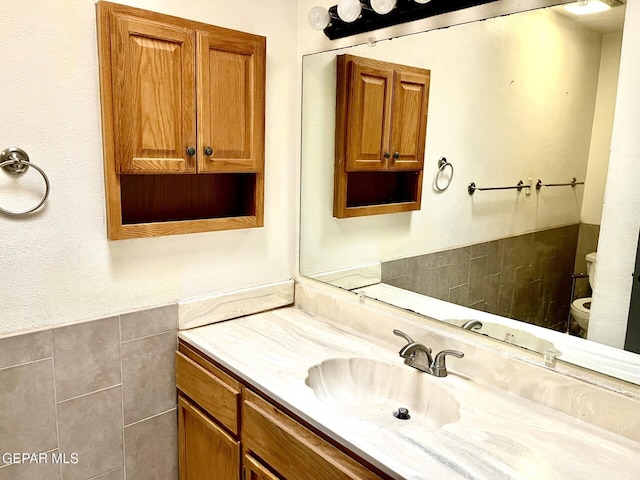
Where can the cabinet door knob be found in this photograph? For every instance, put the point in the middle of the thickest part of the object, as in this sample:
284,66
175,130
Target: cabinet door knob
396,155
191,151
208,151
387,154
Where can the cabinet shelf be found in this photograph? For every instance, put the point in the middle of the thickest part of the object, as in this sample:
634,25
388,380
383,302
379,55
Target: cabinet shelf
162,198
380,188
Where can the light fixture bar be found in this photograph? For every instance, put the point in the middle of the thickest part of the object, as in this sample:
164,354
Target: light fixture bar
404,11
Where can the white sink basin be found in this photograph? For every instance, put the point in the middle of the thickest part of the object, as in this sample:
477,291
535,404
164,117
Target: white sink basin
374,391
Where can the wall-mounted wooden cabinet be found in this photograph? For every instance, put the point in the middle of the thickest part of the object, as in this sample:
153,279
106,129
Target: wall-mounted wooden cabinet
381,123
225,428
183,108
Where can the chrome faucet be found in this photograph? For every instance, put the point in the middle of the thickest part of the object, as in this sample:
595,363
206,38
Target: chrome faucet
418,356
472,325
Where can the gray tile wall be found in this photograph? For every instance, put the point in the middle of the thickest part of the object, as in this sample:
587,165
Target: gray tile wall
525,277
103,390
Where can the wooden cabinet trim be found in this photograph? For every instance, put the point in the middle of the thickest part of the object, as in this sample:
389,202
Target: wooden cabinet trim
111,180
139,230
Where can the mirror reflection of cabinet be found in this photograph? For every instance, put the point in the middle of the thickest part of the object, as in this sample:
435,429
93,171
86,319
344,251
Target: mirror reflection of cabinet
381,122
183,124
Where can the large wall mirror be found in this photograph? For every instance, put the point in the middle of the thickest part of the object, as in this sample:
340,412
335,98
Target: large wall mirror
528,96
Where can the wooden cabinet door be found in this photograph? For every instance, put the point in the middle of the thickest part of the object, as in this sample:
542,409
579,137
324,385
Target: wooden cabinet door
368,116
409,120
154,96
206,451
254,470
231,101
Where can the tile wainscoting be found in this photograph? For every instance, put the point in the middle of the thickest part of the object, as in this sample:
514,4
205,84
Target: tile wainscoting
525,277
103,390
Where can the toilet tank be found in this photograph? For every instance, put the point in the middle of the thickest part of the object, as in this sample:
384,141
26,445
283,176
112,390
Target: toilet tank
591,266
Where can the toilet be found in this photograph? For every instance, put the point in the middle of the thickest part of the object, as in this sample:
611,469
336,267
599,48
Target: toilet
581,307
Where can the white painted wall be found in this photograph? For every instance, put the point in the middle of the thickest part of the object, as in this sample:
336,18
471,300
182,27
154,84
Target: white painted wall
511,98
621,212
58,266
602,127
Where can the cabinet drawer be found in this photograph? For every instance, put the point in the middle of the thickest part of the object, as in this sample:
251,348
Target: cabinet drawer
291,449
209,391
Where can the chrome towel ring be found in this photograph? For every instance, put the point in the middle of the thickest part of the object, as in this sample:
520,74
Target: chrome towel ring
15,161
443,163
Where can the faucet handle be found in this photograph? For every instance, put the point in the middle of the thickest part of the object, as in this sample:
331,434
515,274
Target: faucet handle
439,367
400,333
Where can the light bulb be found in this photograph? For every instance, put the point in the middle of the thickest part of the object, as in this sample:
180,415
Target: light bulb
383,6
422,2
586,7
349,10
318,18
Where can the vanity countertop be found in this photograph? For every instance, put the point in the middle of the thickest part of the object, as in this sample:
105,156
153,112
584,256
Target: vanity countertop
498,435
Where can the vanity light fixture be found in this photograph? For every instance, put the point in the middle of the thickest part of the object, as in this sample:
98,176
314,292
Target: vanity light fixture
349,10
350,17
383,7
319,18
586,7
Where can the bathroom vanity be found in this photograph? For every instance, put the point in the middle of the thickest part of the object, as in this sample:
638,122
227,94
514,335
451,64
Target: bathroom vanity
297,393
269,440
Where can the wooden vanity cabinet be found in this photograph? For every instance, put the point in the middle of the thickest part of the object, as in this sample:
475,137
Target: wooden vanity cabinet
183,107
226,431
381,122
208,419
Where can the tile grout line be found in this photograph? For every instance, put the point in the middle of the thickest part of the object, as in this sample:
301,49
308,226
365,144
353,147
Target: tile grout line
124,447
148,336
55,397
92,392
107,473
152,416
27,363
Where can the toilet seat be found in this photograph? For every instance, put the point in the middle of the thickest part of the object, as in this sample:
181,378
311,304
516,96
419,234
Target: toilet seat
582,305
580,311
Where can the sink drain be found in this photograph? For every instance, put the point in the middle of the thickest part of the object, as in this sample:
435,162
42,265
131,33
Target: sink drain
402,414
